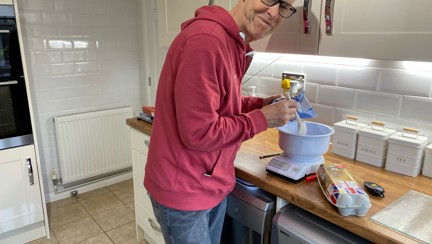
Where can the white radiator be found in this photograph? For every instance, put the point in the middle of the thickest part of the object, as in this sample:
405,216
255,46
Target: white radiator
93,144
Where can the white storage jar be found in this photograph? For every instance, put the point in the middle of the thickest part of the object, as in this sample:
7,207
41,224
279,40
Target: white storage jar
405,152
427,165
344,140
373,143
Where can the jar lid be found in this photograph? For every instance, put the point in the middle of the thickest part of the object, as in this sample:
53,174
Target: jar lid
377,130
350,124
402,139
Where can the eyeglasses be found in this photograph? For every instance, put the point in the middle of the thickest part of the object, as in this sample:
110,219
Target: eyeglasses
286,10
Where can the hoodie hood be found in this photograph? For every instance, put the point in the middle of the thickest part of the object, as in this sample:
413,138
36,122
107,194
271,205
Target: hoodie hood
218,15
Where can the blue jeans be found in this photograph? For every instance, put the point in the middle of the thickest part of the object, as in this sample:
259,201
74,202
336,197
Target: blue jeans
184,227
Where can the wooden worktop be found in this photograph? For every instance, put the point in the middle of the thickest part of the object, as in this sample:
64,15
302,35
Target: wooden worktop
309,195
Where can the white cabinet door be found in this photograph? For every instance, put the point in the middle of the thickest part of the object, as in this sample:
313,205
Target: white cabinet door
172,13
385,29
146,224
290,37
21,203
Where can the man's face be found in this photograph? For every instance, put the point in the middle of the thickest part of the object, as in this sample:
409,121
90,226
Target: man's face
259,20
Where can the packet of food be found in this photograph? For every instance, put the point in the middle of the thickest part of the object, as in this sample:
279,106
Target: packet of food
342,191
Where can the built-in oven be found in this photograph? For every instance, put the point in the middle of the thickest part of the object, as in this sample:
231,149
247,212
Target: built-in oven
15,123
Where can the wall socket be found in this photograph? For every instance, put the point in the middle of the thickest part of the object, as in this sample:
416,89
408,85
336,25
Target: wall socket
300,82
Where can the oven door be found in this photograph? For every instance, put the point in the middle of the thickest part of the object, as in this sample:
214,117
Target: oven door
15,124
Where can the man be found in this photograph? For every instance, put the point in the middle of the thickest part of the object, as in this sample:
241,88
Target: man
201,118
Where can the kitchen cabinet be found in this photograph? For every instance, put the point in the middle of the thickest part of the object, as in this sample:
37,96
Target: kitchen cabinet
290,37
21,207
387,29
172,13
146,224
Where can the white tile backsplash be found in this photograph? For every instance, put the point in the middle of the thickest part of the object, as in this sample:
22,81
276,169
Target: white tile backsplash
321,73
336,96
365,78
378,103
406,82
373,90
417,108
82,56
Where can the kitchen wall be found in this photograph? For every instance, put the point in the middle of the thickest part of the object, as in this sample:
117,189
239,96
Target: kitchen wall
82,55
397,93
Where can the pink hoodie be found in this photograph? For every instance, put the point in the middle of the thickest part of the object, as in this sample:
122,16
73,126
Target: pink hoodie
200,117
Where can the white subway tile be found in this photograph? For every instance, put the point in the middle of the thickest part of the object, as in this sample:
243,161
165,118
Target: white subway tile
406,82
39,69
379,103
261,67
340,114
56,18
36,44
74,56
43,31
321,73
251,81
398,124
46,57
325,114
71,31
63,68
417,108
270,86
336,96
311,92
86,67
358,77
60,44
40,5
32,17
286,67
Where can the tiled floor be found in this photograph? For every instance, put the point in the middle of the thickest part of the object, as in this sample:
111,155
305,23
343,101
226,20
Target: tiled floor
102,216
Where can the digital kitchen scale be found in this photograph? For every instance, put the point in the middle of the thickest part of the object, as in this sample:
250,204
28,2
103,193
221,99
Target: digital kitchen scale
282,165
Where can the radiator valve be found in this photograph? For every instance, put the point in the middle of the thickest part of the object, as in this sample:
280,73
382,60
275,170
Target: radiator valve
54,177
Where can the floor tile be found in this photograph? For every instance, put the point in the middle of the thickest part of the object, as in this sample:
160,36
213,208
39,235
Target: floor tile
126,195
62,202
77,231
131,205
114,217
99,239
101,203
124,234
93,194
121,185
66,214
45,240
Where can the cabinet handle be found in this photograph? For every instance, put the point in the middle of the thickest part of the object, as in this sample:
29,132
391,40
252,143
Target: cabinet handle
328,17
306,23
154,226
30,171
147,143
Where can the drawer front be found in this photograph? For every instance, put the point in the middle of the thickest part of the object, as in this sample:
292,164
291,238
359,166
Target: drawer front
141,195
138,164
140,141
147,222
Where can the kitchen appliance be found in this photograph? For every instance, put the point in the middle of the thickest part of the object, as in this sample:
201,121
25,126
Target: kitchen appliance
302,154
295,225
15,125
249,215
